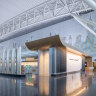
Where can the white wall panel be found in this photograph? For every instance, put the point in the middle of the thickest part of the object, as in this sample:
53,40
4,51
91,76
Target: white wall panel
74,62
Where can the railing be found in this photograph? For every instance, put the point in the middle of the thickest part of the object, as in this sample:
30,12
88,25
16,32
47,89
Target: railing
44,11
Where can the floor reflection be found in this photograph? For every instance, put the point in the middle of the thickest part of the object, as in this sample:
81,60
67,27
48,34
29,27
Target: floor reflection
78,84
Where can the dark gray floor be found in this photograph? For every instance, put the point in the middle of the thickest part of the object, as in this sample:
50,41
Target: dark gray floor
71,85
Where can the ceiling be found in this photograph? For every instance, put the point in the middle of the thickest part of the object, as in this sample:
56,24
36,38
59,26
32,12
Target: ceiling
11,8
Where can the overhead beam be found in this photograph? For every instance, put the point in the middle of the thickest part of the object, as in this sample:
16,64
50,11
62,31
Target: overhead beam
91,3
84,22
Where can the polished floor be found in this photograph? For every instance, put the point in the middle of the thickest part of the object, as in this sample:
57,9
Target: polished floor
77,84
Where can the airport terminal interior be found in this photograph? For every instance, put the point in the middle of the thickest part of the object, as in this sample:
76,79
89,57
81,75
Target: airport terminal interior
47,47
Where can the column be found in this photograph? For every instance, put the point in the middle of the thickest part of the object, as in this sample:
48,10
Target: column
43,62
7,62
38,60
3,62
52,61
0,65
18,61
13,61
83,63
57,60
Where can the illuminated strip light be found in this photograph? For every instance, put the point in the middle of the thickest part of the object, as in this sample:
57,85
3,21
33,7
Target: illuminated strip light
91,3
84,22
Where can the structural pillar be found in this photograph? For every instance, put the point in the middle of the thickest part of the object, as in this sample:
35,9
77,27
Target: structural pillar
3,62
0,65
7,62
13,61
18,60
52,61
83,63
43,62
38,60
57,60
